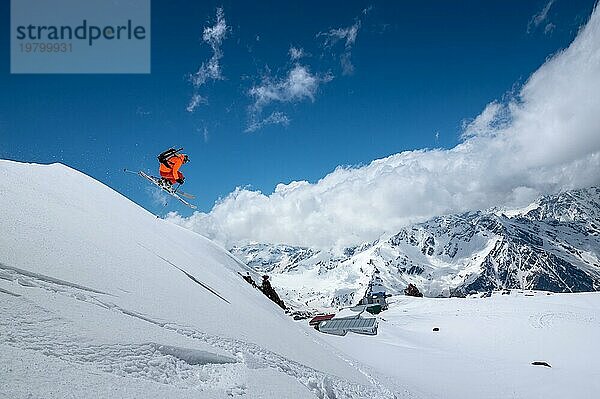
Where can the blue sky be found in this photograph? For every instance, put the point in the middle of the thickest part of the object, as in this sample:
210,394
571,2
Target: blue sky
419,70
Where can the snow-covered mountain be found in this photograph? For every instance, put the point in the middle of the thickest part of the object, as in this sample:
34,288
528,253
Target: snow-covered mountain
553,244
100,298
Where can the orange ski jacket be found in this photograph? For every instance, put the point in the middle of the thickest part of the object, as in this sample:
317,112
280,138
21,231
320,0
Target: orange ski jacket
172,173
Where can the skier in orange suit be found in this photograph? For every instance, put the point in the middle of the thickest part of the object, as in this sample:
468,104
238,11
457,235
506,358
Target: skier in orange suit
171,173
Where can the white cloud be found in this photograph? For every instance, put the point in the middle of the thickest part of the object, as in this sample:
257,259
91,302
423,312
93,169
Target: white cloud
549,28
296,53
348,37
211,70
204,132
276,118
298,85
214,35
540,17
494,116
544,140
195,102
346,63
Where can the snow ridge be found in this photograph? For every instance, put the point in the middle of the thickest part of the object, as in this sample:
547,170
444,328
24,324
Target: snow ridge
165,364
97,290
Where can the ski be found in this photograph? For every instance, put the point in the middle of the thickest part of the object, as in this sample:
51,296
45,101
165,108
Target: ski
174,193
184,194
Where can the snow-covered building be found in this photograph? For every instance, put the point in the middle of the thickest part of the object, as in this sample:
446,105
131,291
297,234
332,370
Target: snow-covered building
375,294
318,319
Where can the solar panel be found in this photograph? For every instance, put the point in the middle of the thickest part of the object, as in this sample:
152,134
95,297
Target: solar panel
348,324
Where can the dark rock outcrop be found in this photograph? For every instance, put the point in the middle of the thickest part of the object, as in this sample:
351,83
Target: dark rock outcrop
269,291
412,290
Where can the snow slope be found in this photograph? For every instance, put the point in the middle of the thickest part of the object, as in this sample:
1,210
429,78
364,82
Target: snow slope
485,346
100,298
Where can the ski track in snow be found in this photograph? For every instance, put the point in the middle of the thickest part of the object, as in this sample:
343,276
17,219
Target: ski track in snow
32,327
547,319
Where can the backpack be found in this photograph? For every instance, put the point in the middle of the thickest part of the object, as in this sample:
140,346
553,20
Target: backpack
164,156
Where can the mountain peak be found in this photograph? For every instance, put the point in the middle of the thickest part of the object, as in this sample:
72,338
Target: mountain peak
552,244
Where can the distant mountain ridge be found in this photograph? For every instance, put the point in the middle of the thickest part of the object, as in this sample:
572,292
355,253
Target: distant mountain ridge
553,244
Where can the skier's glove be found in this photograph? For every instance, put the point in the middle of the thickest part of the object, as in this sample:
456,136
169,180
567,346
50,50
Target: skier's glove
180,181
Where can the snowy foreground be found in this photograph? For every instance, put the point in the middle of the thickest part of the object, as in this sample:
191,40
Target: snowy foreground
95,302
99,298
485,346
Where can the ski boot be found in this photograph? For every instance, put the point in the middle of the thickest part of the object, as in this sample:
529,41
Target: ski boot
165,184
